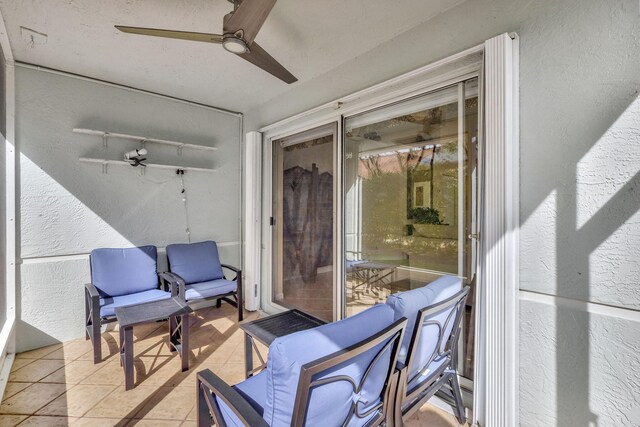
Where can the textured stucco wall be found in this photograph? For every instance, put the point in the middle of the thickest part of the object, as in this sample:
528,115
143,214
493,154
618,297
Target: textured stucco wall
579,188
68,208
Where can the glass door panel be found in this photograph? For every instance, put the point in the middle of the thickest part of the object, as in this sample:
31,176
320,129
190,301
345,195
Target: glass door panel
409,197
303,222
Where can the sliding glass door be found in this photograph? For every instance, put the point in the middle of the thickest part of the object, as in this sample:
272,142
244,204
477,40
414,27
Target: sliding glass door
403,213
409,190
304,222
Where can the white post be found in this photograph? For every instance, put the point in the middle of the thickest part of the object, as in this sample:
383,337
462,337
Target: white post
252,219
496,397
7,330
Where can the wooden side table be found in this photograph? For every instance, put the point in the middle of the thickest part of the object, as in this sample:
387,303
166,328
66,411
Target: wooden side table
176,310
267,329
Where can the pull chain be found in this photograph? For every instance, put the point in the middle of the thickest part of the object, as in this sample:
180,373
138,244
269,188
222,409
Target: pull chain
183,192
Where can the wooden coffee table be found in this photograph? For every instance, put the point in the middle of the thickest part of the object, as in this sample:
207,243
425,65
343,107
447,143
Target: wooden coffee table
174,309
267,329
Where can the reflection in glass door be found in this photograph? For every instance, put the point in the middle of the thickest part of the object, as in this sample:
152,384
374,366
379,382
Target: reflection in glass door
303,222
410,199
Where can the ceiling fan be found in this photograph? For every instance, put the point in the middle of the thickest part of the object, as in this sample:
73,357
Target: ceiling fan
240,28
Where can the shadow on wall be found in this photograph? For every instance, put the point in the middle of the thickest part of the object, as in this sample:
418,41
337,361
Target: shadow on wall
580,257
68,208
580,198
597,239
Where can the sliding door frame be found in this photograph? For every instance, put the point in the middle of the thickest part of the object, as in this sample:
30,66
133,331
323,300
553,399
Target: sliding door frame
267,258
495,64
336,128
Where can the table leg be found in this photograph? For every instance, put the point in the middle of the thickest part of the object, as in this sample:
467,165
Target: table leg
184,341
121,343
248,355
126,355
179,338
173,326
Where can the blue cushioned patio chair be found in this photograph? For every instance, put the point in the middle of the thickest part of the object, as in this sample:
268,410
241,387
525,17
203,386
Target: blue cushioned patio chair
428,356
196,274
119,277
339,374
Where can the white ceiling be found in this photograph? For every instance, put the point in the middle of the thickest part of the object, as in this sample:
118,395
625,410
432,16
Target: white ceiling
309,37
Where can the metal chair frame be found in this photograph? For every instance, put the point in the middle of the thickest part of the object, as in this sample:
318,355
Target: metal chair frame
211,386
444,381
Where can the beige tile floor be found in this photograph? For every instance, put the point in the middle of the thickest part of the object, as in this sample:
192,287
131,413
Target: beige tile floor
60,386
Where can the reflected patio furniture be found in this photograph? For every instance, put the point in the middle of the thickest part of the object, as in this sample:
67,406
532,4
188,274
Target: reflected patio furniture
119,277
196,274
428,356
342,373
368,276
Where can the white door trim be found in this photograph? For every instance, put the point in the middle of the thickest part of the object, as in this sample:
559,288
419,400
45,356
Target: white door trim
496,358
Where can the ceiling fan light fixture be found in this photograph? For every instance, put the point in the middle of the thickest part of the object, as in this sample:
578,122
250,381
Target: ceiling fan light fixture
235,45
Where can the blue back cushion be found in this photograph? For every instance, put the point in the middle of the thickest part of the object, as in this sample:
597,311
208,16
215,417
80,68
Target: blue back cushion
126,271
195,262
407,304
329,404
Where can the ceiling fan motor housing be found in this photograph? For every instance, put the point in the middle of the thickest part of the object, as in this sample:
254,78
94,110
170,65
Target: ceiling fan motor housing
234,44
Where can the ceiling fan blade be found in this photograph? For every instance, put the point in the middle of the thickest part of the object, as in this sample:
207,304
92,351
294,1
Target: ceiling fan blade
249,18
182,35
260,58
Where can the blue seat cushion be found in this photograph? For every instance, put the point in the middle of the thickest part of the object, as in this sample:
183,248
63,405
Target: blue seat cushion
209,289
195,262
408,304
108,304
116,272
329,404
254,390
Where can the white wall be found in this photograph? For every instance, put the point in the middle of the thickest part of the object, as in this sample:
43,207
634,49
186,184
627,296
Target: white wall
579,188
68,208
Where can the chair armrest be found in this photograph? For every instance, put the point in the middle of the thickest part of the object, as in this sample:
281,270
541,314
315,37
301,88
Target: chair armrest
91,291
234,400
232,268
92,303
175,282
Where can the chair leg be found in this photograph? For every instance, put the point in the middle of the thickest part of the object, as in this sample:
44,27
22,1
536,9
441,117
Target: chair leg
203,417
87,317
399,398
97,343
239,298
218,303
92,329
457,396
